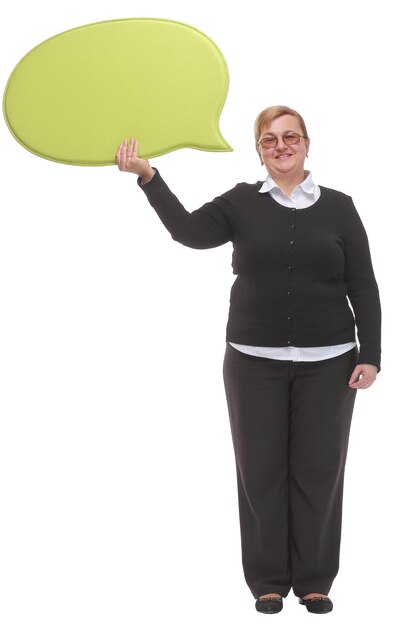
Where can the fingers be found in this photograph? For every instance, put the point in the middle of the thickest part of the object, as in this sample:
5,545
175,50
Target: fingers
118,155
361,384
121,155
125,152
130,146
363,377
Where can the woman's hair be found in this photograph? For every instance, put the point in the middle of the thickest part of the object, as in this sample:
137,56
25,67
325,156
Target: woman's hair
266,116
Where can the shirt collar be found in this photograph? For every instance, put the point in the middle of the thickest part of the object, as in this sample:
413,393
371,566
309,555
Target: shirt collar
308,186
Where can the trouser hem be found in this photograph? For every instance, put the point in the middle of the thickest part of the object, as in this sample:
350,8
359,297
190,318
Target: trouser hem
300,592
280,590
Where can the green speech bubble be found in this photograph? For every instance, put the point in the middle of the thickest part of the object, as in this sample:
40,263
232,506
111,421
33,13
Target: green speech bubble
74,97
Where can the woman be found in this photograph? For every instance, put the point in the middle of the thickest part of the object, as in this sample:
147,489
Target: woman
291,367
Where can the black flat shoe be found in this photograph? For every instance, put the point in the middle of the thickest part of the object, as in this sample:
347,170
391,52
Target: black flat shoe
269,605
317,605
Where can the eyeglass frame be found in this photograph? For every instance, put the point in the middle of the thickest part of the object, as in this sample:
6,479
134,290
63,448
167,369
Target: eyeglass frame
293,132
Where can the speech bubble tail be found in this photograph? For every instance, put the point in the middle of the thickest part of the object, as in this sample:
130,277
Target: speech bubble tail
211,141
220,146
224,146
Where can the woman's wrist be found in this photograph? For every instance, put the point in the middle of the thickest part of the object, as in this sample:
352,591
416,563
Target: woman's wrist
145,178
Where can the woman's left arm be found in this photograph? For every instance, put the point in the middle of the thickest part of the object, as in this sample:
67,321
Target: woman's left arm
363,293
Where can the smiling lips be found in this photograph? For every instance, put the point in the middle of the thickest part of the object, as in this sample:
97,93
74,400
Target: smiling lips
283,156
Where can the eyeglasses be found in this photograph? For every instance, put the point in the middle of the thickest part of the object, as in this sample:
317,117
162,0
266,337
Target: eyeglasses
289,139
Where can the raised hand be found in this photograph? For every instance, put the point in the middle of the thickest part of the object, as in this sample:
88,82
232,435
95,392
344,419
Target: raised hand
127,160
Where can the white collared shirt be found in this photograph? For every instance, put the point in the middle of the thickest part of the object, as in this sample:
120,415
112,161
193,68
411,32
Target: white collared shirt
303,195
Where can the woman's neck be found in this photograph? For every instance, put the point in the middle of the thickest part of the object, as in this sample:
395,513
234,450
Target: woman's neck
288,182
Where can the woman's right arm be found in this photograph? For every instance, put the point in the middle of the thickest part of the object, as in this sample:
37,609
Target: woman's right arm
207,227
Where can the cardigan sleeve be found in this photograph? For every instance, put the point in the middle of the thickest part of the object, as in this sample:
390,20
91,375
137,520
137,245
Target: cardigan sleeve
206,227
362,288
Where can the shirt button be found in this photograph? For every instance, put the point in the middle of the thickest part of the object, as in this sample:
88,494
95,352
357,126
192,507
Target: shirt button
289,267
291,243
289,342
288,293
293,209
289,317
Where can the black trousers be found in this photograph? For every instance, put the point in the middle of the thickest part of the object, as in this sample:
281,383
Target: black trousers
290,424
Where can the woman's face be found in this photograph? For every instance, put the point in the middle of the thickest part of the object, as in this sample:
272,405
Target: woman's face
284,159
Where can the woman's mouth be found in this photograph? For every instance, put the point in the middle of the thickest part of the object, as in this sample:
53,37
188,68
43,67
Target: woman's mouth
282,157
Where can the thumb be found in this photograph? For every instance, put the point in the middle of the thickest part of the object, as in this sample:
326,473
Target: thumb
355,375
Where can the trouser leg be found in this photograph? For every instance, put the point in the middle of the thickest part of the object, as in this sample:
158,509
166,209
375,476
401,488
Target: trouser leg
321,406
257,393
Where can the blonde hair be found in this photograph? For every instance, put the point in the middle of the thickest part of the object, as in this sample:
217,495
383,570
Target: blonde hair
269,114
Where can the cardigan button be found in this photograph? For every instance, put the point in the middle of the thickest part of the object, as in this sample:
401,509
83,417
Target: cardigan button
289,342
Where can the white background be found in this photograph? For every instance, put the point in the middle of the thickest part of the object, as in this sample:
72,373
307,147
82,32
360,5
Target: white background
117,479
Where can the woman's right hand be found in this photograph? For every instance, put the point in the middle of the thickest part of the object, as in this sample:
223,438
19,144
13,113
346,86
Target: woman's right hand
128,161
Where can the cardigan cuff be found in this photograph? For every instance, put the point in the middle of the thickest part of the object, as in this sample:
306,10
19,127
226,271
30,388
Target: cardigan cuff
368,358
139,180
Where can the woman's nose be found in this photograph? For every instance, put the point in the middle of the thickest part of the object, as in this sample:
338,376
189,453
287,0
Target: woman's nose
281,145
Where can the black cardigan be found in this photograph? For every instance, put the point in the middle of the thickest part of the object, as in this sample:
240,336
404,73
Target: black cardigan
295,269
